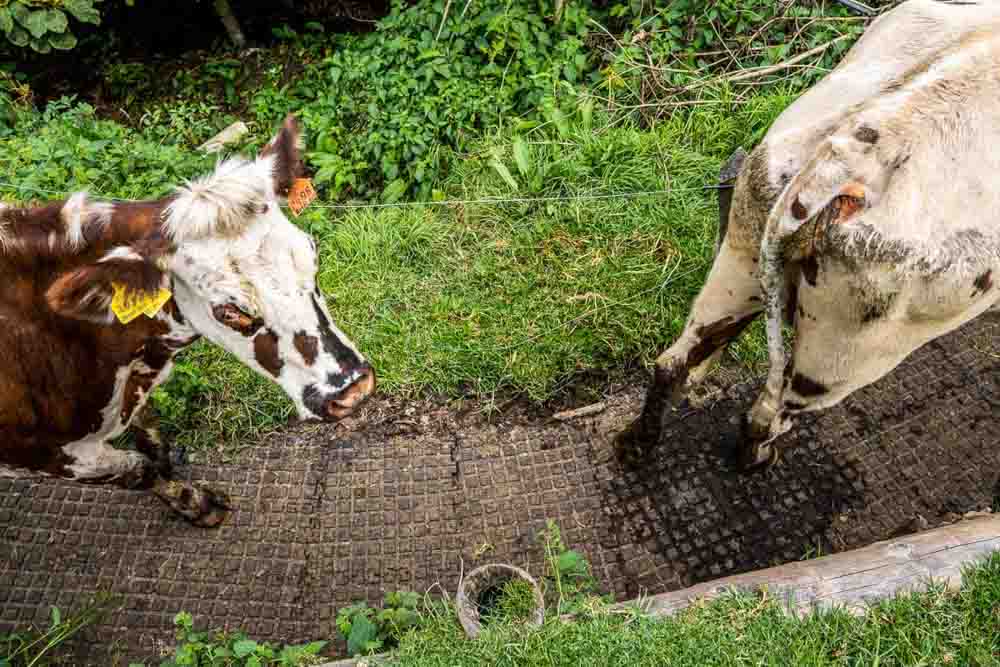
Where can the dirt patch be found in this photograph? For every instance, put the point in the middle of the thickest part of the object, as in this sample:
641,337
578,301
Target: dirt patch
412,493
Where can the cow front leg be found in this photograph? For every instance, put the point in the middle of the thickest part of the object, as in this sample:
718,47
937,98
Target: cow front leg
145,430
100,463
729,301
198,504
765,422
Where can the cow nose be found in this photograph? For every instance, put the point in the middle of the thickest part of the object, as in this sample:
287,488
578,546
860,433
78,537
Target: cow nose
344,403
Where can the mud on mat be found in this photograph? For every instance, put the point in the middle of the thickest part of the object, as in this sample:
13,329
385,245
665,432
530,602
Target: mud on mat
326,517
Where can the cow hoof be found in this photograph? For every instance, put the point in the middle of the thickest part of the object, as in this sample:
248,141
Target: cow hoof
202,506
759,457
634,443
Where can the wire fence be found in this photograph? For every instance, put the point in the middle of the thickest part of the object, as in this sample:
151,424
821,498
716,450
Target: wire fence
640,194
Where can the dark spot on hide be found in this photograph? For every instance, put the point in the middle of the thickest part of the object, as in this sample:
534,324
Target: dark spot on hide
727,177
265,350
794,406
810,269
236,319
137,385
308,347
876,307
983,283
798,210
332,345
170,307
807,387
867,135
715,335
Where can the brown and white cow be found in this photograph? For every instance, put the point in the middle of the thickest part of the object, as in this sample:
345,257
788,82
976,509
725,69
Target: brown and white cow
868,219
73,377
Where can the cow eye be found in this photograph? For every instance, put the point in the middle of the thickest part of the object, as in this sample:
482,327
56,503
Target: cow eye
237,319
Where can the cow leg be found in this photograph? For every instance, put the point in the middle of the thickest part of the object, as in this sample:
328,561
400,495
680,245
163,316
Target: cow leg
198,504
849,333
726,305
145,430
96,462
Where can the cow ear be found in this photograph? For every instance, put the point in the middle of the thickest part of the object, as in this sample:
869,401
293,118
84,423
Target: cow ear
86,292
844,177
286,150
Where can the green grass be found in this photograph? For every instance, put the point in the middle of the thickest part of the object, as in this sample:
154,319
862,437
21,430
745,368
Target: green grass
490,299
481,300
935,628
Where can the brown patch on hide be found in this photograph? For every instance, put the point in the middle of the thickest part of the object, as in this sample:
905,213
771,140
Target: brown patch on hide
867,135
85,292
57,373
39,233
134,220
288,163
236,319
265,349
799,212
875,306
308,347
715,335
807,387
139,384
983,283
810,269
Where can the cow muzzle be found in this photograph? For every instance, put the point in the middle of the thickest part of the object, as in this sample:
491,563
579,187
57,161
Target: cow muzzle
337,406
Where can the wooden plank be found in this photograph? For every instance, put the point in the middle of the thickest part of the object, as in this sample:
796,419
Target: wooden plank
853,579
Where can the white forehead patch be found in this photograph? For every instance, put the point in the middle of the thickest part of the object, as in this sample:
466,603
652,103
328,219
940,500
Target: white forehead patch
222,203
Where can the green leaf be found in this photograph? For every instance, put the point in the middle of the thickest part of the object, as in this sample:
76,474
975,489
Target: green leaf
20,13
394,191
37,24
41,46
6,19
243,648
19,36
83,10
558,118
313,648
521,156
363,632
184,620
253,661
56,616
505,174
64,41
587,113
570,562
56,21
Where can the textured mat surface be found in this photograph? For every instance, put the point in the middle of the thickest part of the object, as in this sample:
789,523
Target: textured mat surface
416,492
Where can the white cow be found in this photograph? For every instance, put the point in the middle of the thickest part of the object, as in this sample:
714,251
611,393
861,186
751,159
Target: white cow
868,219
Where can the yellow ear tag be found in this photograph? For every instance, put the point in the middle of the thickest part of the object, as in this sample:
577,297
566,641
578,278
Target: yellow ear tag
129,304
300,195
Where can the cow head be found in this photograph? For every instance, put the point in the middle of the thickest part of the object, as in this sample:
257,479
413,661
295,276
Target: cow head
245,277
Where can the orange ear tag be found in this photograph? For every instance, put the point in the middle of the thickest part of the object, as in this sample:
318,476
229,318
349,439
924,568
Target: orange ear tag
300,195
128,304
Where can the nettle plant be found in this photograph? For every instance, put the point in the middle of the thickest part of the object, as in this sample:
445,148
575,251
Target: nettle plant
44,25
434,75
